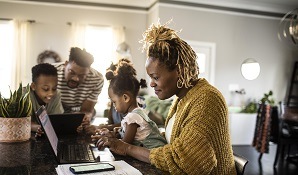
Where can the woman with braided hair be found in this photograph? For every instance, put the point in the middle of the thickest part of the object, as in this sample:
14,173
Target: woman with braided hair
197,126
136,127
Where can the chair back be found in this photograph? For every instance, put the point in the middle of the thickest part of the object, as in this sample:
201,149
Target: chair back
240,164
288,120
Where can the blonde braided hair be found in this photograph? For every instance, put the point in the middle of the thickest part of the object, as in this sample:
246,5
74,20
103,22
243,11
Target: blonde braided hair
164,44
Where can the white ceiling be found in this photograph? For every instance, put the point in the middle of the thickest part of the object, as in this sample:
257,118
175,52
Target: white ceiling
134,3
269,6
275,6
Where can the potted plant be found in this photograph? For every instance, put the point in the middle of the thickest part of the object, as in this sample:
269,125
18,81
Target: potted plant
252,107
15,119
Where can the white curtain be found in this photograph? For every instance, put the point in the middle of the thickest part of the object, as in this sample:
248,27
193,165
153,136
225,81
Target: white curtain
122,48
119,34
19,53
6,50
78,32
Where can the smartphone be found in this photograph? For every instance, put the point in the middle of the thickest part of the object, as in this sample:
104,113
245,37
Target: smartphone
89,168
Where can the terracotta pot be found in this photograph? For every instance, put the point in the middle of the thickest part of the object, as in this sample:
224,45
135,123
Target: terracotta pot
15,129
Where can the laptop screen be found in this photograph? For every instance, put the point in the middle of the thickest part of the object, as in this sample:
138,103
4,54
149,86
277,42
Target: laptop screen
49,130
66,124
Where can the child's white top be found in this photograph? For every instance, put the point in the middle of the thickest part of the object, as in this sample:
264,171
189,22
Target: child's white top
143,131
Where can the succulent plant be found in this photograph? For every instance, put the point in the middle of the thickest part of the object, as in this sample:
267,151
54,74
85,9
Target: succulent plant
18,105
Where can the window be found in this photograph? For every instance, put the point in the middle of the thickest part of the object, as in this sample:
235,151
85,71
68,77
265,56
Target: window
100,43
6,50
206,59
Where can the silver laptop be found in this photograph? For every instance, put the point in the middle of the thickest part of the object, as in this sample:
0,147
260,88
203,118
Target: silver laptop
64,151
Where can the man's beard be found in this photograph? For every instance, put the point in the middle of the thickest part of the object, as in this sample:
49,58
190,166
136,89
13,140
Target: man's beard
72,84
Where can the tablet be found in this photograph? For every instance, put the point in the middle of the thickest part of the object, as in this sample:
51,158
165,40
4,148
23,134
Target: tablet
66,123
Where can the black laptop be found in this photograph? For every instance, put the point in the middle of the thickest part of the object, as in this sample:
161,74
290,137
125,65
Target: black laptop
66,124
65,152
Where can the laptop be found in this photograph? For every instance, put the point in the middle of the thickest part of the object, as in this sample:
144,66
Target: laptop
65,152
66,124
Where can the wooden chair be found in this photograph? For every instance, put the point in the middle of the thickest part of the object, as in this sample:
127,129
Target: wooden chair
240,163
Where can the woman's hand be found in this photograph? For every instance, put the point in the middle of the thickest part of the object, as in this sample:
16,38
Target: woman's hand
115,145
122,148
98,141
100,133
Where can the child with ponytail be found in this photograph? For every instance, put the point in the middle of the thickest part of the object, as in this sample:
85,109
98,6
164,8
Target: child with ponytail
136,127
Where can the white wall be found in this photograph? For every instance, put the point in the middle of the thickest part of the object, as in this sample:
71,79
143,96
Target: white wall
237,37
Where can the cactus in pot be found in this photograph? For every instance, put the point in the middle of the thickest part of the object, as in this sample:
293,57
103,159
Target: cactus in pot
18,105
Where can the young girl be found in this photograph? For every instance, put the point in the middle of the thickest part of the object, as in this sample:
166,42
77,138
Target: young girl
136,127
43,91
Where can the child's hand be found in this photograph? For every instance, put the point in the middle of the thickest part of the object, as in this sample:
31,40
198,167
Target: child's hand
86,120
101,131
80,129
101,126
105,132
39,132
37,129
116,129
90,129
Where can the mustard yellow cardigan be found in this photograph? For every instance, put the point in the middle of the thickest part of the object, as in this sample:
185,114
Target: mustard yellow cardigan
200,141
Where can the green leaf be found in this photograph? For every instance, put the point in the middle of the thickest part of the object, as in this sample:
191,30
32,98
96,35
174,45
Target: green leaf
18,105
19,92
13,109
3,111
21,107
27,104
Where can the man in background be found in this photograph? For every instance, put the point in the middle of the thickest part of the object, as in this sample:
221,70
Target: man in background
79,84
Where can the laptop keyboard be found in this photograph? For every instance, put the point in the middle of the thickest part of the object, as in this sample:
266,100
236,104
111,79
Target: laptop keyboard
79,152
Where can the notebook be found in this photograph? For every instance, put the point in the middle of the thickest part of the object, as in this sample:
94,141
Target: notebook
64,152
67,123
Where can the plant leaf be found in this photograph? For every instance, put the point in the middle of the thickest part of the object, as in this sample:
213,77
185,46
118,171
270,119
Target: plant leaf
27,104
3,111
19,92
18,105
21,106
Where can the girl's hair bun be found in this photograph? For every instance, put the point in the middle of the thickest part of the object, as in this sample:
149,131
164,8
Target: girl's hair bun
143,83
125,68
110,75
